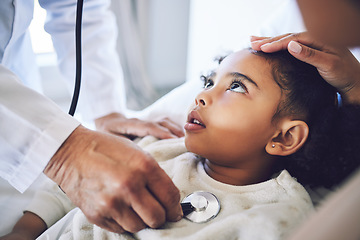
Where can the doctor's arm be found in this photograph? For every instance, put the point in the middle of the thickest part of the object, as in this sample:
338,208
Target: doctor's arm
102,97
138,185
117,185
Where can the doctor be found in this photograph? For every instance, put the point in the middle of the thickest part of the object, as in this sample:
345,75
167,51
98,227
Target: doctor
118,186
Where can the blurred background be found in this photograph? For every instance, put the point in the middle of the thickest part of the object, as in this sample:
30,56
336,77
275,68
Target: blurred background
165,43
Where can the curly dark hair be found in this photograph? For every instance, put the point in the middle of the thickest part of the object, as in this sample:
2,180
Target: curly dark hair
324,160
332,150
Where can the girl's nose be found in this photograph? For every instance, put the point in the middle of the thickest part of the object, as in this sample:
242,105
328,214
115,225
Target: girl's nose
200,102
203,99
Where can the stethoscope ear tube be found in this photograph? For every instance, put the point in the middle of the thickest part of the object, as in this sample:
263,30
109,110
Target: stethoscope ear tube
79,10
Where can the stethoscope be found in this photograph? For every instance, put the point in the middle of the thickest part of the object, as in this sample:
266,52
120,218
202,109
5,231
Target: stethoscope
75,97
198,207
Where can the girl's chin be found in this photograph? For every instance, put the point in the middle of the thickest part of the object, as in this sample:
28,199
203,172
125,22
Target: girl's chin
195,148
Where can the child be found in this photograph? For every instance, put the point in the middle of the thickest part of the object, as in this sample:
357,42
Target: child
258,115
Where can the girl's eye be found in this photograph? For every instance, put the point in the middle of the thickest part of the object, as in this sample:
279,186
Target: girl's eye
237,86
208,84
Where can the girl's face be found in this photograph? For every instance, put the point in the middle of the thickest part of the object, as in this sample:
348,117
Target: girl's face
231,122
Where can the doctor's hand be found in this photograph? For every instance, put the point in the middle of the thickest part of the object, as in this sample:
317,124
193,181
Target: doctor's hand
336,65
118,124
117,185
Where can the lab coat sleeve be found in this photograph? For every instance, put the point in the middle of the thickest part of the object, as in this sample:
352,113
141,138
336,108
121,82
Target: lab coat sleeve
102,87
32,128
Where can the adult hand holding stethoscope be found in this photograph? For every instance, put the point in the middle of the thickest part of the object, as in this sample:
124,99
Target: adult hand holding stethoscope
117,185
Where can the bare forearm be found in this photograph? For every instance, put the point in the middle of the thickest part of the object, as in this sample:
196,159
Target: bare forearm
30,226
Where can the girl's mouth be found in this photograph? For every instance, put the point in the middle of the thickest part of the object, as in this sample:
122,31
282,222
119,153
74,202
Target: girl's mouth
194,122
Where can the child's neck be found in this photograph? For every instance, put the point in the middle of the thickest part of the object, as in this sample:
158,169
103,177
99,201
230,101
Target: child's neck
239,176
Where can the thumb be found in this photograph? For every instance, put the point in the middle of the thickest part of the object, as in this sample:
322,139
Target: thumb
314,57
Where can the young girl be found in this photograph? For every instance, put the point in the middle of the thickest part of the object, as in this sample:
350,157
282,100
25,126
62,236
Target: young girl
257,115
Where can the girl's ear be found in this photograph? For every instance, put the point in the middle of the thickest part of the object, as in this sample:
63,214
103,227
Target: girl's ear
290,137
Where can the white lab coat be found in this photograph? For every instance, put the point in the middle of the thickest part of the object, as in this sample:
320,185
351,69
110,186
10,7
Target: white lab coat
32,127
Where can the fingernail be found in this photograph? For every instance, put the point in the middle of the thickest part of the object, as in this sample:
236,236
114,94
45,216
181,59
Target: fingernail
253,38
294,47
255,42
256,45
180,216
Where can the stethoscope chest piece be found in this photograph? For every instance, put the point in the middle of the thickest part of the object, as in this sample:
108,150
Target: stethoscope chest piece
200,207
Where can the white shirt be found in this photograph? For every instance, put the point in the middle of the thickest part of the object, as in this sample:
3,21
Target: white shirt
32,127
268,210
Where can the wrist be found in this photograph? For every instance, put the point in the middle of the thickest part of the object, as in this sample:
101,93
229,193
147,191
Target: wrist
60,165
352,96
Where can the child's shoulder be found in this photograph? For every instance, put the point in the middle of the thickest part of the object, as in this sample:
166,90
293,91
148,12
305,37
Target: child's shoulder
292,187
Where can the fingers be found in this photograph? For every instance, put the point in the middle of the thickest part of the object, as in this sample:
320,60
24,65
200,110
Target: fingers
129,225
112,226
120,125
172,127
163,129
152,197
167,194
105,223
337,66
145,212
134,205
152,204
281,42
257,43
319,59
149,209
128,220
297,46
256,38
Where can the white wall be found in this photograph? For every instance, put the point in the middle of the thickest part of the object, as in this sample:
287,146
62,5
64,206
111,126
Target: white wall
166,54
220,26
181,37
